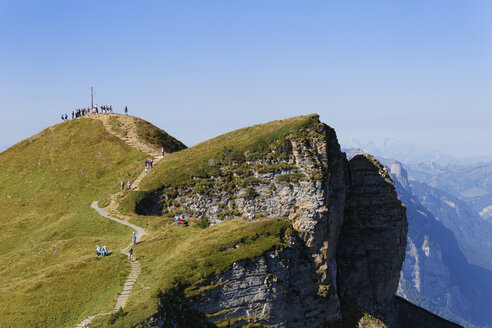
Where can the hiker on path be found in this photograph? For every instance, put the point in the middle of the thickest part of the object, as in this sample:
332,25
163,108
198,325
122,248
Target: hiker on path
122,185
129,185
130,254
126,110
134,238
162,151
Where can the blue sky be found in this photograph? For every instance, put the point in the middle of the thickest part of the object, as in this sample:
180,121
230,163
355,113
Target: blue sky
418,71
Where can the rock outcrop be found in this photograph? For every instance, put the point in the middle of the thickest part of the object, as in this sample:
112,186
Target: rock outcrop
278,289
373,239
305,181
349,244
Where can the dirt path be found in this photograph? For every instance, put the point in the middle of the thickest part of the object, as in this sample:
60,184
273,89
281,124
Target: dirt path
132,276
127,132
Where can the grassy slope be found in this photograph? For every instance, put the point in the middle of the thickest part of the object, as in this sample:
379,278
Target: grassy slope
175,256
178,168
50,275
157,137
152,135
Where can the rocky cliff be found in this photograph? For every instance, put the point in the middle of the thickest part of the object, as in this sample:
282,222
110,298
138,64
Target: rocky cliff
373,239
350,232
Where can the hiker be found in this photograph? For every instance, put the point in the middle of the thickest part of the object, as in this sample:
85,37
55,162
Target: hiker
134,238
122,185
126,110
129,184
62,117
130,253
101,250
66,117
146,169
151,163
162,151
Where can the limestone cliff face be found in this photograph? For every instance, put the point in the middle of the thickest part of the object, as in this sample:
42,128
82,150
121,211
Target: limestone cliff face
278,289
350,242
373,238
307,185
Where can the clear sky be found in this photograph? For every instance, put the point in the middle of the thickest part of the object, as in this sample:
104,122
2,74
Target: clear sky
417,70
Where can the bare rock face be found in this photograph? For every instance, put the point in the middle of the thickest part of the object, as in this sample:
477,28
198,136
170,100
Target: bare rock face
306,185
373,239
278,289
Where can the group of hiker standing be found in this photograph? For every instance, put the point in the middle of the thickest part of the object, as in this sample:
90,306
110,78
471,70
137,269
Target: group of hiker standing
149,164
79,112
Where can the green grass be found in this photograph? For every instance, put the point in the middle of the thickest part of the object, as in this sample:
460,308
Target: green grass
155,136
195,170
182,258
50,275
148,132
178,169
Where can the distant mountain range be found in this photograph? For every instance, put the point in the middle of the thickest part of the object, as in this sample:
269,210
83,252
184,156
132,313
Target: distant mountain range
410,153
470,183
448,263
443,240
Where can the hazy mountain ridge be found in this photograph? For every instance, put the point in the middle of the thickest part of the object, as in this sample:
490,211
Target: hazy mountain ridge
474,235
470,183
436,274
410,153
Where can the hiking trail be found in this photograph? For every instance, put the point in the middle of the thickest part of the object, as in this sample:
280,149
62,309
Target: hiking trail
126,130
132,276
129,136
